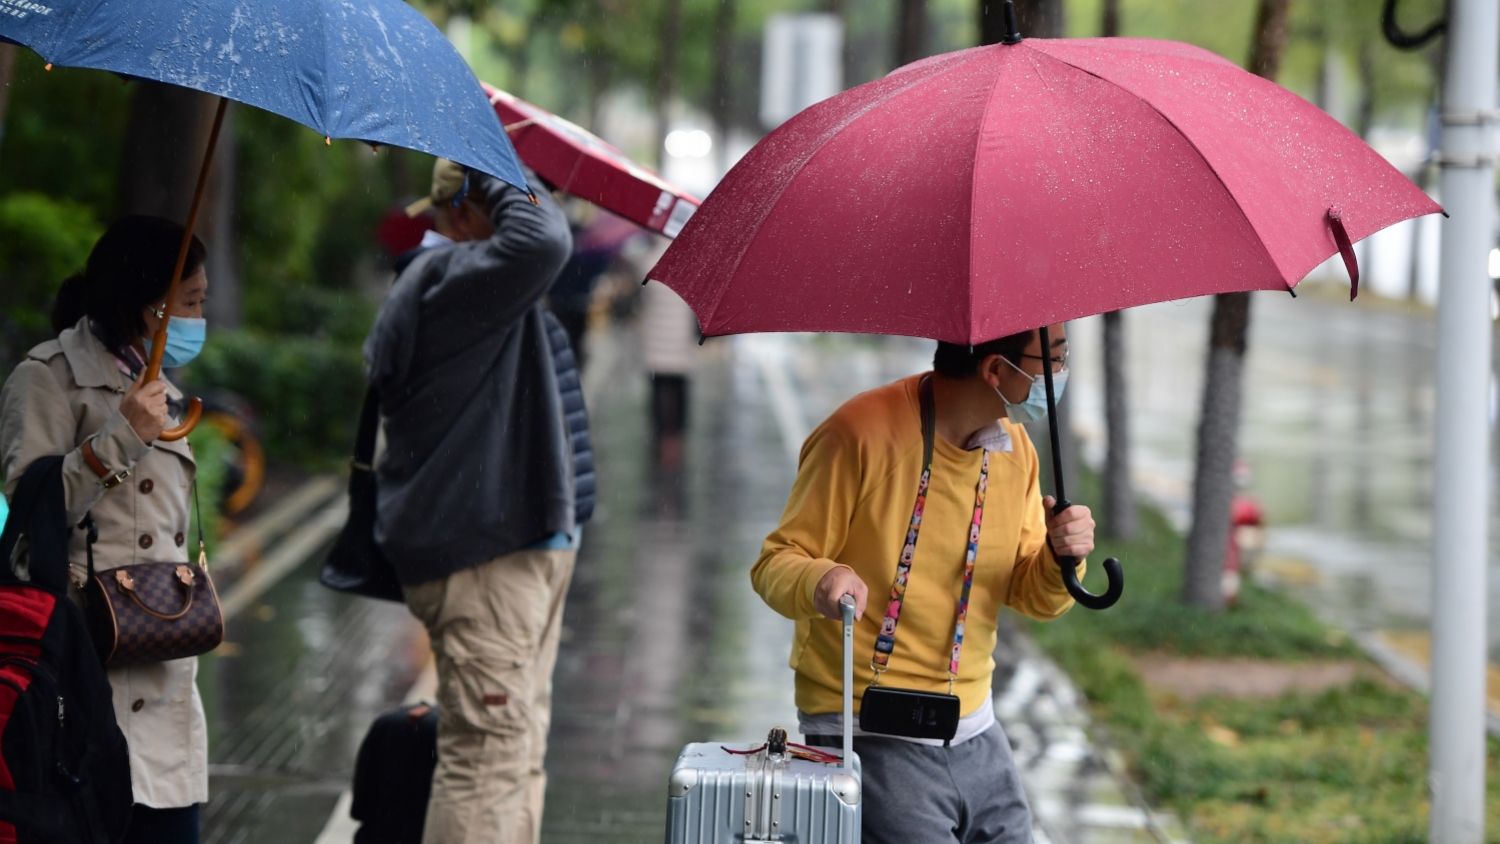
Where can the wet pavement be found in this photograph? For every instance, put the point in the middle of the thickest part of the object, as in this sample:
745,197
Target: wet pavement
305,671
665,643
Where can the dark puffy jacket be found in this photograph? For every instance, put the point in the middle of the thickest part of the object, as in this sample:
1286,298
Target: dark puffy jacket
478,460
570,387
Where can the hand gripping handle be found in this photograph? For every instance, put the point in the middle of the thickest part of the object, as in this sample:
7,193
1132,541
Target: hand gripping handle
846,607
1070,577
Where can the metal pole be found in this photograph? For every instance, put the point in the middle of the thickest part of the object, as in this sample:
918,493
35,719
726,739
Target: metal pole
1461,452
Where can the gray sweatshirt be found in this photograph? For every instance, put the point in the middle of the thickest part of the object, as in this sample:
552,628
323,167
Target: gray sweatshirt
477,461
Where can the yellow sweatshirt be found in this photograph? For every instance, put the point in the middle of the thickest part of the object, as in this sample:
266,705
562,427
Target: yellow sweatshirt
851,505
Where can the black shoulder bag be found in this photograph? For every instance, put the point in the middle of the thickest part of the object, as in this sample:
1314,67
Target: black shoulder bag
356,564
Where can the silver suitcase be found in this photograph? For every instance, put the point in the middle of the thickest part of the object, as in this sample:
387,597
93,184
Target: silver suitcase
747,793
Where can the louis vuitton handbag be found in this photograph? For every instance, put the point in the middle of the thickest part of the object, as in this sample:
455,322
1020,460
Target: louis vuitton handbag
152,612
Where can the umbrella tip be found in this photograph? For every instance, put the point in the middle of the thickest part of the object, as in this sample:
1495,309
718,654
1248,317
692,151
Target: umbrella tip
48,66
1012,29
531,196
327,141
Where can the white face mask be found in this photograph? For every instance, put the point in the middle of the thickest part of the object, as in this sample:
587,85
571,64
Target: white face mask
1034,408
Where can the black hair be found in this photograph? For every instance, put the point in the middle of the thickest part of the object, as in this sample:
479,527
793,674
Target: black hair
952,360
129,269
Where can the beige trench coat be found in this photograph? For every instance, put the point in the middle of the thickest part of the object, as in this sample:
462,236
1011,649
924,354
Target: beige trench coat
68,390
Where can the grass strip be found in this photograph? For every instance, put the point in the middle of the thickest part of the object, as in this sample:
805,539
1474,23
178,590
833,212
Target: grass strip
1347,764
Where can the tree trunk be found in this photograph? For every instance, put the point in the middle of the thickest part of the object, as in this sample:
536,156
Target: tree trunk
1035,19
1218,441
723,64
1270,38
165,136
666,74
7,78
839,9
1111,23
1366,117
911,31
1039,18
223,308
1120,518
1218,427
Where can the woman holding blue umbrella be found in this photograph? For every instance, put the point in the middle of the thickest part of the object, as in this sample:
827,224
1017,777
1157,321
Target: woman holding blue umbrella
81,396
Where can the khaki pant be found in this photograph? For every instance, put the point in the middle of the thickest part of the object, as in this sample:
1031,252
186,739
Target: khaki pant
494,631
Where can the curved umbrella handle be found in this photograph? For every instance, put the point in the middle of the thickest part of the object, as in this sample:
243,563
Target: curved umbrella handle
1084,596
189,422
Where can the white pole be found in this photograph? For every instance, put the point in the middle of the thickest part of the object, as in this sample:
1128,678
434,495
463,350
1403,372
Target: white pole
1461,454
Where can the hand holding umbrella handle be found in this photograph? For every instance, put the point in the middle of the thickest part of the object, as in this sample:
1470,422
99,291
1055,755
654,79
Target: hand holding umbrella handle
1070,577
159,339
189,422
1069,565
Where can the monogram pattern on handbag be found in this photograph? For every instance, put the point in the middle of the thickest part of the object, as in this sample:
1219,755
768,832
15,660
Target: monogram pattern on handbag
152,612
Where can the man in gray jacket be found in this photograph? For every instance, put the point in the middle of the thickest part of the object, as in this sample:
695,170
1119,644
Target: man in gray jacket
479,506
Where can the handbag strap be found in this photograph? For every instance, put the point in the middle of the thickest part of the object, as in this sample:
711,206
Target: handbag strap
364,441
91,534
885,641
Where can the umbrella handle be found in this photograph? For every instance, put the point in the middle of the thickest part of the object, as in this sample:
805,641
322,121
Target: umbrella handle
1087,598
159,339
189,422
1069,564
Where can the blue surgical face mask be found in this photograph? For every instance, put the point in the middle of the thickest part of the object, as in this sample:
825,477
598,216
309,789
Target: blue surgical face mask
185,337
1034,408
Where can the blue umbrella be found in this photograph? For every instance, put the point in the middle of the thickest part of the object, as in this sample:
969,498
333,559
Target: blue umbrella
372,70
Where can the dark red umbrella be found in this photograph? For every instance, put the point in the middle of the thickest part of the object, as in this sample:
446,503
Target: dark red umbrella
580,163
989,191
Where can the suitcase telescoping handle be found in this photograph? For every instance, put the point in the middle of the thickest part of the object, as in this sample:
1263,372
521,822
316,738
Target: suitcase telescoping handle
846,606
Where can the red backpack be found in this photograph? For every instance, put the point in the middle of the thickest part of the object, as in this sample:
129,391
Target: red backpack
64,765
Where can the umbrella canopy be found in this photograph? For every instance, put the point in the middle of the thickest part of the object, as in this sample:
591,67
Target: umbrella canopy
376,71
580,163
373,71
988,191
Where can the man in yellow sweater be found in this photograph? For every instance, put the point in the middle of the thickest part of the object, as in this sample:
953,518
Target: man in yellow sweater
851,527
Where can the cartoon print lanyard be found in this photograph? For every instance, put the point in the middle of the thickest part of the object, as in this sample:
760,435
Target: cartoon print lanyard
885,643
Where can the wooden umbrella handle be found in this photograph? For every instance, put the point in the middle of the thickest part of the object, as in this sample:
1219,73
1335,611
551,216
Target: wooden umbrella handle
159,339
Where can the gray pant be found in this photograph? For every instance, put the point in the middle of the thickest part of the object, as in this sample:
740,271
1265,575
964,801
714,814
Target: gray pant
920,794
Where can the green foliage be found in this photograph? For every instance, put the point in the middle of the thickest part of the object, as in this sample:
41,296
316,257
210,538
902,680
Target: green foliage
306,215
62,133
1343,765
307,390
42,241
1152,616
1401,83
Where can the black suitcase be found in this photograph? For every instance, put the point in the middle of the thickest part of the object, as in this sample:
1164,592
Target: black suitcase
393,776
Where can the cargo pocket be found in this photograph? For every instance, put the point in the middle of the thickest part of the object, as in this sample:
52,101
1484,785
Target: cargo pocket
487,694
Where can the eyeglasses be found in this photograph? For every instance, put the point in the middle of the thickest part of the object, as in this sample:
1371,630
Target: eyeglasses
1058,363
